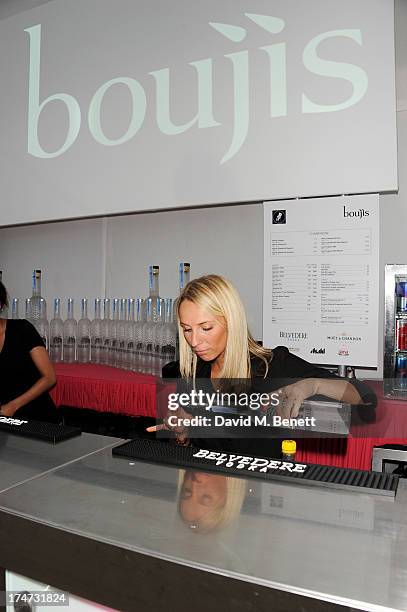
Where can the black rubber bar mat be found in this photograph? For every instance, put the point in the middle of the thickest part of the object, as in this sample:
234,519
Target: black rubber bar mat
167,453
48,432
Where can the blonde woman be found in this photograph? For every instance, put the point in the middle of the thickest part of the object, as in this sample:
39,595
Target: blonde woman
215,344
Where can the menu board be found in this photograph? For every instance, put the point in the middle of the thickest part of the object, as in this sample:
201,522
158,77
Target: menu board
321,278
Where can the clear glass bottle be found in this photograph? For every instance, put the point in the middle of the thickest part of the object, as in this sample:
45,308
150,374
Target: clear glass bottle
137,335
184,272
169,335
28,310
148,338
129,336
113,333
36,296
83,334
157,338
105,332
70,334
121,334
42,324
154,289
56,333
96,334
15,307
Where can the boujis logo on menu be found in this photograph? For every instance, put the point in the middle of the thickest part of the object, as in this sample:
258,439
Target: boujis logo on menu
279,217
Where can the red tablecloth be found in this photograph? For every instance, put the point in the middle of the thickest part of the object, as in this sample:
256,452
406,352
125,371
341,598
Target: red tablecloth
109,389
106,389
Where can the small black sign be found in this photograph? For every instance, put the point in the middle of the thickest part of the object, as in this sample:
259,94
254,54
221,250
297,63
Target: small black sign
279,217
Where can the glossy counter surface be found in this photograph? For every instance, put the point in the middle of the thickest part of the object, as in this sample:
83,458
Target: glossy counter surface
349,549
23,458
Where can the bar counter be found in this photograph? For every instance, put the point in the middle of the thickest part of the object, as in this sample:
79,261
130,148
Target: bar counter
109,529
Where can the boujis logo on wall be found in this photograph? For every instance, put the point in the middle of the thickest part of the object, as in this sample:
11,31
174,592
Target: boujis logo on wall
355,214
239,62
279,216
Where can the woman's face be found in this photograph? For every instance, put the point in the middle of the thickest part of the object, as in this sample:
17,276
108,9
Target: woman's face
201,493
206,334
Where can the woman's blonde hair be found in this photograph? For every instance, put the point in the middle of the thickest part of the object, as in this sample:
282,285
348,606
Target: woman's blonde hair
218,296
223,515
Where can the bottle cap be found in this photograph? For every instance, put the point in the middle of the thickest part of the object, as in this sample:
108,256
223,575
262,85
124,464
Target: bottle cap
289,446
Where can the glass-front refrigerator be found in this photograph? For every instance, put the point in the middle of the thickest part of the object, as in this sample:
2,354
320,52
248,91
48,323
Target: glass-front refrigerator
395,332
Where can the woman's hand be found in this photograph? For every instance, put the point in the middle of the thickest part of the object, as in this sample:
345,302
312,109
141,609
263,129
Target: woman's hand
8,409
292,396
174,422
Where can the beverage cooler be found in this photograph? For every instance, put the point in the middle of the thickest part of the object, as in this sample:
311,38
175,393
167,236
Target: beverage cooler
395,332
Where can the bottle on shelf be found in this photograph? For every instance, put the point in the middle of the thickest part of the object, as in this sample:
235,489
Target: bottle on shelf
15,308
121,335
105,354
113,333
96,334
129,335
137,335
157,338
288,450
28,310
36,296
148,338
56,333
154,290
184,272
169,335
41,324
70,334
83,334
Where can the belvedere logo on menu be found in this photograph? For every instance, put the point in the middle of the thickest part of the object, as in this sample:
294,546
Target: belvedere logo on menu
251,464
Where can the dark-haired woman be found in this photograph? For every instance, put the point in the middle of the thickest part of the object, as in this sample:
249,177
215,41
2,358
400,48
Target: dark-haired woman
26,372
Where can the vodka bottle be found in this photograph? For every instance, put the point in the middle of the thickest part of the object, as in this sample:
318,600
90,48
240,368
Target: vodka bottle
153,282
42,324
83,334
70,334
184,271
36,296
15,308
105,332
56,333
148,338
129,335
113,333
157,338
169,335
121,335
96,335
137,335
28,310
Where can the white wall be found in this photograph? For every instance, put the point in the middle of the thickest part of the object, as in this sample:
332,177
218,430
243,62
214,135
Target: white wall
228,240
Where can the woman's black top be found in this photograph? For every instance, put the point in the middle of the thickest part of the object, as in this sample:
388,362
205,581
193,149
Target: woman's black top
18,372
284,368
